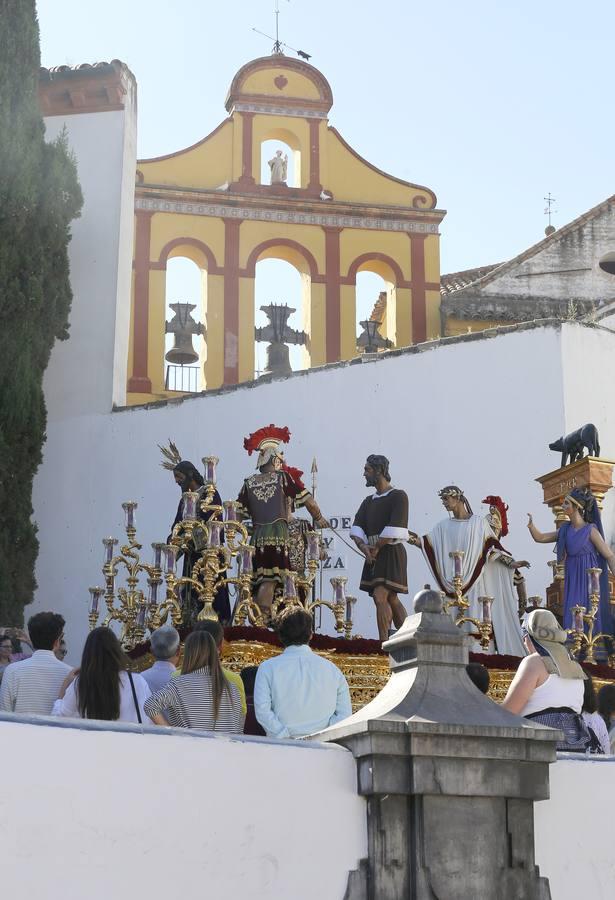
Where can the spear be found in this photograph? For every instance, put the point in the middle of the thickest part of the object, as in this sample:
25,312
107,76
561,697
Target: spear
314,471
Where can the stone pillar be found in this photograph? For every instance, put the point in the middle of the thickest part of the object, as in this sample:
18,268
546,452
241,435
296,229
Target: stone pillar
451,777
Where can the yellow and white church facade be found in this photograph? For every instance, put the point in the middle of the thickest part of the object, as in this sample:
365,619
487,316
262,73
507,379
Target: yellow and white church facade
339,216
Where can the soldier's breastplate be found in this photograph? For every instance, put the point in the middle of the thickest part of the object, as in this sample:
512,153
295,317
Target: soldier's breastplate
267,499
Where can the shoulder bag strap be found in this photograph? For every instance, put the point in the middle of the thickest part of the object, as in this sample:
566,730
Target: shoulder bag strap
134,697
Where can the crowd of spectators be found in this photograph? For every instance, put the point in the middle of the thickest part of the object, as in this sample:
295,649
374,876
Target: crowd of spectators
291,695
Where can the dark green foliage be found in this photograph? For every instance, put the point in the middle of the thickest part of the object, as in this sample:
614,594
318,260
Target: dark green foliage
39,196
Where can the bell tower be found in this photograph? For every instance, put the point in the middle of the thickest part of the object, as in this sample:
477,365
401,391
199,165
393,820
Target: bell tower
321,207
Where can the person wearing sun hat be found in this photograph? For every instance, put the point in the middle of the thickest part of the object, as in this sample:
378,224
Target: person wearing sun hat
548,685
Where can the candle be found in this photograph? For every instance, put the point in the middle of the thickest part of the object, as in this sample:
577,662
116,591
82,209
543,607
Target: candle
140,623
95,595
339,589
157,547
231,513
152,597
594,580
349,602
170,559
209,463
189,501
244,559
313,545
577,613
290,590
129,509
213,533
486,606
457,557
109,543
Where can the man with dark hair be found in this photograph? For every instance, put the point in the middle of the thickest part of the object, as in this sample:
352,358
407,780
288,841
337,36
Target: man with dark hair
188,478
299,693
479,676
33,685
380,530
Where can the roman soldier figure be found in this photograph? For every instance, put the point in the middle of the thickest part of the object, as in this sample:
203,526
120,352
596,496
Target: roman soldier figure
268,498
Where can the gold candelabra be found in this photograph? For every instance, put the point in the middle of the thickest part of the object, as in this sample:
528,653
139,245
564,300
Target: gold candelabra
584,621
296,592
215,533
484,626
133,611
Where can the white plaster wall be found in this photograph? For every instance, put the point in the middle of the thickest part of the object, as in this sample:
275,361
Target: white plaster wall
87,373
574,829
120,813
587,354
474,412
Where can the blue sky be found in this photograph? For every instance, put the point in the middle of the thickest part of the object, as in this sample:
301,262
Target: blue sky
490,105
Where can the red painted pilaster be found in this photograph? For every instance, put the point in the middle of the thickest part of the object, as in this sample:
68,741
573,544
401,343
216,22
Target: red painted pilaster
139,381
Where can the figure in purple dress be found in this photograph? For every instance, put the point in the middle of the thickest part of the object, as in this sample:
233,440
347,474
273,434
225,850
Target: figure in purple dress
581,546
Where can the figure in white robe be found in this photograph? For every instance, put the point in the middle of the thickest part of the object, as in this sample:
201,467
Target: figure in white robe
487,568
279,168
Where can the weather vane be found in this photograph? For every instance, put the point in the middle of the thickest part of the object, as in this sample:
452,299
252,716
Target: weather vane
277,43
548,210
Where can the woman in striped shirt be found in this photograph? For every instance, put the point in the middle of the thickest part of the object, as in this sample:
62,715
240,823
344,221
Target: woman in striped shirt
201,697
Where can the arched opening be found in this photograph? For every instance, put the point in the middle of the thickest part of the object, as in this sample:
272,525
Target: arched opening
375,301
281,144
279,282
186,284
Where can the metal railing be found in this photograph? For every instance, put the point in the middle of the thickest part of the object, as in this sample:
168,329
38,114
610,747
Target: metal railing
182,378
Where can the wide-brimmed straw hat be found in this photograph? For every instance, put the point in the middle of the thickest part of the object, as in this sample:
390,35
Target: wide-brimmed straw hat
550,641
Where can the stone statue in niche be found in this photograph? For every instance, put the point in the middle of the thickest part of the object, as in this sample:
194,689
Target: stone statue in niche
279,167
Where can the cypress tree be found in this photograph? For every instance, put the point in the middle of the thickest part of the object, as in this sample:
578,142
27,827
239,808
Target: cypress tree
39,196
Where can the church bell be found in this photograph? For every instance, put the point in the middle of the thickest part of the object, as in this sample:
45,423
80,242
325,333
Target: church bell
182,326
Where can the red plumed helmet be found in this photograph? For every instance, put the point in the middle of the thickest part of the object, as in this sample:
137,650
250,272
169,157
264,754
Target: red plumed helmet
271,433
501,507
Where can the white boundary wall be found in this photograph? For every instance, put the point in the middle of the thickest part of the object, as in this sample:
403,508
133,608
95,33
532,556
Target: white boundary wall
116,810
574,829
110,811
476,412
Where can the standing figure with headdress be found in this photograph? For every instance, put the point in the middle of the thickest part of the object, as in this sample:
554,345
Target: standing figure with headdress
498,520
188,478
581,546
486,567
267,498
380,530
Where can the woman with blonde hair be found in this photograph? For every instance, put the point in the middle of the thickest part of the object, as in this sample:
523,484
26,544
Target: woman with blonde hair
201,697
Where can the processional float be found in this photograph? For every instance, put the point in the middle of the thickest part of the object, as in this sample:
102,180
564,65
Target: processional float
226,549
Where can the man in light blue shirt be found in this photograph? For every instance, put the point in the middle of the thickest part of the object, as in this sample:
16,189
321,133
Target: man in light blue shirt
165,650
299,693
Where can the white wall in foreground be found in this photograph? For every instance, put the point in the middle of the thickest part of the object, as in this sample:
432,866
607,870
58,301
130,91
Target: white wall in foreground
101,814
574,830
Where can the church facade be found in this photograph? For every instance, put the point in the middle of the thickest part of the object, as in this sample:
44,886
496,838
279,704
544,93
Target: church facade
334,216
